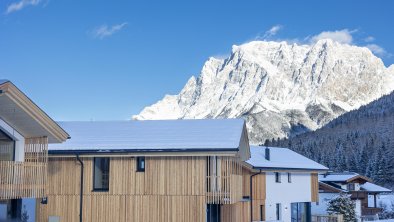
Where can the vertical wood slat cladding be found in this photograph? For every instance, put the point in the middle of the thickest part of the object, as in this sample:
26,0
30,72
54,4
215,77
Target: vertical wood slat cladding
238,212
170,189
259,195
224,180
314,187
29,178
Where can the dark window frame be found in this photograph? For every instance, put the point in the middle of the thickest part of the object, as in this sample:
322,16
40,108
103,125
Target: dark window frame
94,175
278,177
351,186
262,212
278,211
139,160
289,177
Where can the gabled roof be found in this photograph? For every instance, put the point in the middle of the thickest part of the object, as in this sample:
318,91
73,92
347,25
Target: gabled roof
153,136
330,187
373,188
343,177
281,158
18,111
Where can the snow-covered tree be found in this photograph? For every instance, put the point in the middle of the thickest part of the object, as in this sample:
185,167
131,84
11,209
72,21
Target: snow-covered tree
343,205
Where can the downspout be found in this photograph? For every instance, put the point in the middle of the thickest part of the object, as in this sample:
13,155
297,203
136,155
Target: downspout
251,194
81,189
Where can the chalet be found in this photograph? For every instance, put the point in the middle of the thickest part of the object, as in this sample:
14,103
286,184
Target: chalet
360,188
25,131
174,170
291,182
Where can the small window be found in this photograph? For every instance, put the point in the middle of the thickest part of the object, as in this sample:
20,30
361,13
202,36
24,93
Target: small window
277,177
101,174
351,187
262,212
140,164
278,211
289,177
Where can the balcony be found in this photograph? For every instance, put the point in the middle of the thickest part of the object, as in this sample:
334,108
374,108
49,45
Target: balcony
224,189
357,195
22,179
370,210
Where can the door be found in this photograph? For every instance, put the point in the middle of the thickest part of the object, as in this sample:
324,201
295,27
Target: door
213,212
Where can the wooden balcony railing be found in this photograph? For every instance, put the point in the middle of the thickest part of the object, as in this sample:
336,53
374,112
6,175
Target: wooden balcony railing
26,179
358,195
22,179
224,180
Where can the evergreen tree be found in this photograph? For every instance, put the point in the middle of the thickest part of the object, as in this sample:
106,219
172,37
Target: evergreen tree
343,205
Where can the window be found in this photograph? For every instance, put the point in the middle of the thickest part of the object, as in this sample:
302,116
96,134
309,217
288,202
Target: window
301,212
141,164
277,177
262,212
278,211
289,177
101,174
351,186
7,147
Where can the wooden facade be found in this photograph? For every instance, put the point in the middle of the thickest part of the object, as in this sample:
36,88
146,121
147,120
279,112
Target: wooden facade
29,178
172,188
315,187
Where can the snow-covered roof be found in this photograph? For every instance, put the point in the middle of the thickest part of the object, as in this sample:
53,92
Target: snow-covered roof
373,187
341,177
281,158
152,135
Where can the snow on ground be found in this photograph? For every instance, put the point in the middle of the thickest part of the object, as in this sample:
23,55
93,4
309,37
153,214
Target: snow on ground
386,199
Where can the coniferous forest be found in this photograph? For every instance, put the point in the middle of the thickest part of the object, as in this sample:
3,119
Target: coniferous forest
361,141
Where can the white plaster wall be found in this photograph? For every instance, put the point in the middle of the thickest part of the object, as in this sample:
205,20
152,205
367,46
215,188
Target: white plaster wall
299,190
358,208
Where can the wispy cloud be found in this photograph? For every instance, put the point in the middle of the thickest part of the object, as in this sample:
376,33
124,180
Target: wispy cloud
106,31
269,33
378,50
16,6
369,39
342,36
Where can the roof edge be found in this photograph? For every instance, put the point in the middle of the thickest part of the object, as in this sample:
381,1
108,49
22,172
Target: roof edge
25,103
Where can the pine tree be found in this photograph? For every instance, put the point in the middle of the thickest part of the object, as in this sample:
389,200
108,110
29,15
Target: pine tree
343,205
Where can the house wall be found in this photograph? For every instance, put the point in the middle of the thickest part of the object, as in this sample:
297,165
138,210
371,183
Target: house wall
299,190
170,189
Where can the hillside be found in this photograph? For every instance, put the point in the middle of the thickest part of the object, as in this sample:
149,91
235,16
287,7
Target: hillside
361,140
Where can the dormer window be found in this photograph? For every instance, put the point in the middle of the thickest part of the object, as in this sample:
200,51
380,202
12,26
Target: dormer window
351,187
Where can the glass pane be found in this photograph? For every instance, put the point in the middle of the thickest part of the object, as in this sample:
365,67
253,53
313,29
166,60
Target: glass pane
7,147
101,173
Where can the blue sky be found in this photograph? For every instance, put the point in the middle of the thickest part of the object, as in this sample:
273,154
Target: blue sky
106,60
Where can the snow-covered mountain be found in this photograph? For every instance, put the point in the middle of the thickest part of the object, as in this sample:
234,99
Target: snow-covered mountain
281,89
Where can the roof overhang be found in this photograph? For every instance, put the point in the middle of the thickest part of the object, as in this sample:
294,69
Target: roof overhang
282,169
358,179
26,117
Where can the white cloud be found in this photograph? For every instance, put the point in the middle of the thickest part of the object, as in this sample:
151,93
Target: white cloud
369,39
341,36
16,6
273,30
106,31
377,50
269,33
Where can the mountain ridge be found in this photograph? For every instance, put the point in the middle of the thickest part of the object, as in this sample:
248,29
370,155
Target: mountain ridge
280,89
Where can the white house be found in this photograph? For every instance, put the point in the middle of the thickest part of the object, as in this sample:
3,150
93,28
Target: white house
360,188
289,182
